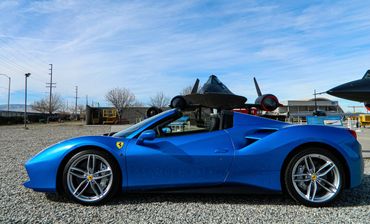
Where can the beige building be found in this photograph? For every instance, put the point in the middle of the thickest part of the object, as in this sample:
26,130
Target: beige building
299,109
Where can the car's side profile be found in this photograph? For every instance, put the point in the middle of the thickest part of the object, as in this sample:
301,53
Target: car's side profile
313,164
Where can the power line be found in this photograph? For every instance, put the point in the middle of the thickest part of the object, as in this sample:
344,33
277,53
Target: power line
37,79
19,45
12,57
11,61
12,64
20,49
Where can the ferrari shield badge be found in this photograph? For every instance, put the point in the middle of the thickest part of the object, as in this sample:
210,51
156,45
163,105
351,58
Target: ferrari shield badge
119,145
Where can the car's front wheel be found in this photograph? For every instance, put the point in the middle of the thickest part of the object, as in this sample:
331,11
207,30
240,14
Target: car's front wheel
314,177
91,177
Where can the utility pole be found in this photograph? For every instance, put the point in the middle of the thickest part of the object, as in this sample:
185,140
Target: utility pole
50,85
76,100
25,100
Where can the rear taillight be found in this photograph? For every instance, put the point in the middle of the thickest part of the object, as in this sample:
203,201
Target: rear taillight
353,133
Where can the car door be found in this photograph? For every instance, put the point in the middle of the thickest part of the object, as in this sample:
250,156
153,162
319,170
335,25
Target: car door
191,159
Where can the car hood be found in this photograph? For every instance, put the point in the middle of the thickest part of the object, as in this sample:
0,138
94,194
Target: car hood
63,147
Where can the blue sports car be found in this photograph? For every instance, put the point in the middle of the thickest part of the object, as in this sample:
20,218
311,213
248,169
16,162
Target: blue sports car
226,151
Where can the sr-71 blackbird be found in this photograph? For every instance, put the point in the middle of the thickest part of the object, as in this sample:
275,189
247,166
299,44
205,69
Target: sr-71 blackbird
215,95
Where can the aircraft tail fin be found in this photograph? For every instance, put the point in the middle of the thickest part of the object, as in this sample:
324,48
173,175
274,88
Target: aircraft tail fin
195,87
259,93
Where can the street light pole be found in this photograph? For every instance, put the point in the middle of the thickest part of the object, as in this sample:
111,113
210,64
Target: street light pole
8,91
25,100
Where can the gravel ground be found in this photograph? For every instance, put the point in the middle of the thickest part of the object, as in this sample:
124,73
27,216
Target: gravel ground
18,204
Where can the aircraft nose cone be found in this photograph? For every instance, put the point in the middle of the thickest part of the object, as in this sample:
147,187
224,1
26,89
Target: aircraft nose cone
338,90
346,91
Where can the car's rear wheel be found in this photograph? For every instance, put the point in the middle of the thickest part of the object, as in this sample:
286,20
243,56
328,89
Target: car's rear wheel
91,177
314,177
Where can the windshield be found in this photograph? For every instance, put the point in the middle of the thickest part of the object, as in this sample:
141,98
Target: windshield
128,131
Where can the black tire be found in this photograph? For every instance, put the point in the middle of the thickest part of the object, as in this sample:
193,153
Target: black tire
336,175
152,111
114,187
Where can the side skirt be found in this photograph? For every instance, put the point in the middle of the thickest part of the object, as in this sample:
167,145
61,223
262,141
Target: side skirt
214,189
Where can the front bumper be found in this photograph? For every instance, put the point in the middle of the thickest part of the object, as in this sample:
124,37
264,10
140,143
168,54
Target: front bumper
42,176
42,169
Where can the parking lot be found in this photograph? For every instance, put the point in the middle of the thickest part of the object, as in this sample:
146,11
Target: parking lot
18,204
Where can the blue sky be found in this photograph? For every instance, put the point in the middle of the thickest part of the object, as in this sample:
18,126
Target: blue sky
291,47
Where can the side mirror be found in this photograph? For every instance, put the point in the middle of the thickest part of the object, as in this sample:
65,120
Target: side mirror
167,130
146,135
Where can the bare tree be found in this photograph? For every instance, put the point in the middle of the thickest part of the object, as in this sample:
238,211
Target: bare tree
120,98
40,105
56,102
64,109
159,100
81,108
43,104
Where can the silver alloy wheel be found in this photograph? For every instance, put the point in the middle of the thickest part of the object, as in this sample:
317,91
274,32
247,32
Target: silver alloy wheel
316,178
89,178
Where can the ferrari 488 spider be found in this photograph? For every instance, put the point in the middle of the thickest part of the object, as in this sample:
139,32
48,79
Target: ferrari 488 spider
173,151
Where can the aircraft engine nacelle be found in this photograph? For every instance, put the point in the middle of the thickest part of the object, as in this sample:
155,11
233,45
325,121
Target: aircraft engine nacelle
367,105
268,102
178,102
153,111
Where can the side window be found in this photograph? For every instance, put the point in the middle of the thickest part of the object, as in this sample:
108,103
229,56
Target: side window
191,122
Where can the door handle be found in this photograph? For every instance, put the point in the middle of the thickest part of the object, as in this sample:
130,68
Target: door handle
221,150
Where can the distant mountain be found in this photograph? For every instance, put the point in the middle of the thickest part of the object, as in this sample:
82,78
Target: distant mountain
16,108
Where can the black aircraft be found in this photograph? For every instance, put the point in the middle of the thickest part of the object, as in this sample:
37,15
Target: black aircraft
358,90
214,94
